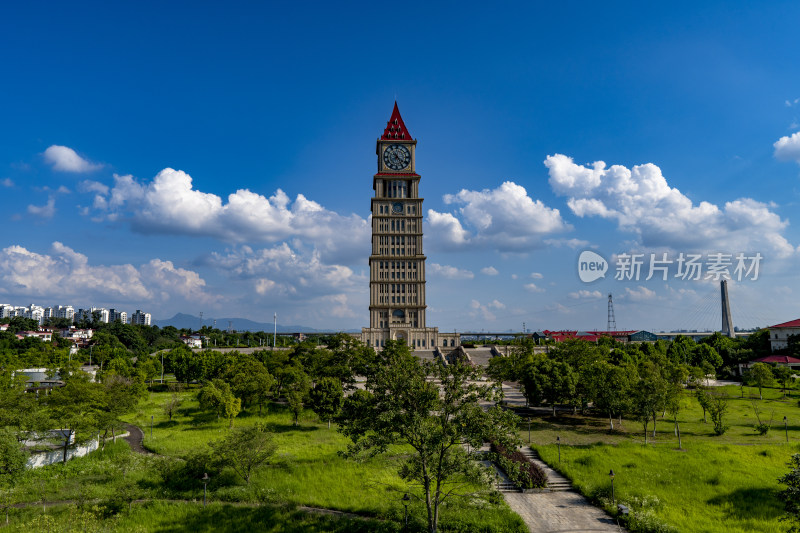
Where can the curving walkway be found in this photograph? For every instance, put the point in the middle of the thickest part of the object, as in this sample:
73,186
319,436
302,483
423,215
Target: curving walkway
135,438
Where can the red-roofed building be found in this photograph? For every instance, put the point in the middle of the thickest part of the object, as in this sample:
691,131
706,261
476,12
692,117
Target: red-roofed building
783,360
779,334
590,336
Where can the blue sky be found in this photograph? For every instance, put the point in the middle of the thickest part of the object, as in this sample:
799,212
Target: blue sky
219,157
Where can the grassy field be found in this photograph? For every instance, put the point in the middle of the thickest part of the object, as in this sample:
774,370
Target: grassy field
722,483
178,517
306,471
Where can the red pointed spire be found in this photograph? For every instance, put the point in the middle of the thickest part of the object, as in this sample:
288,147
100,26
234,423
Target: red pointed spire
395,128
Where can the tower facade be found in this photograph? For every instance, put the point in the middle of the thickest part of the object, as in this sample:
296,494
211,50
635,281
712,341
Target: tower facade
397,263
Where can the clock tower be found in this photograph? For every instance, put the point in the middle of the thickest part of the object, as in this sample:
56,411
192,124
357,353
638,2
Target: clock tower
397,264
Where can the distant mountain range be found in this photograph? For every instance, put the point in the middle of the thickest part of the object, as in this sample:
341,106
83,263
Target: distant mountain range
182,320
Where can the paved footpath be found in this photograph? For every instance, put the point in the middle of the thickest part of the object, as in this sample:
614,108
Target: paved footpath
561,511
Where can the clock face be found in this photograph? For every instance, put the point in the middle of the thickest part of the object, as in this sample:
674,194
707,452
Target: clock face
396,157
397,207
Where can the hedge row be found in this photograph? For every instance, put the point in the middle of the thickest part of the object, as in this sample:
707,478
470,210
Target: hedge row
519,468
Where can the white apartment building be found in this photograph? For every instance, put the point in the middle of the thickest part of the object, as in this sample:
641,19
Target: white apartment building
61,311
141,319
115,315
88,314
33,312
39,314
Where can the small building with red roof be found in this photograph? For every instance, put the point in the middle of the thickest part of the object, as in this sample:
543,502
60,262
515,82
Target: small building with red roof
779,360
779,334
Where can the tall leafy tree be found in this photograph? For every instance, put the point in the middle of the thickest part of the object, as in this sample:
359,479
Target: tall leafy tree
434,409
610,386
76,409
550,381
783,374
759,375
296,384
216,395
251,381
326,398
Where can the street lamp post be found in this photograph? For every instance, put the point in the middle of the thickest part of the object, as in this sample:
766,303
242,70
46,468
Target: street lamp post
613,499
558,443
406,498
205,479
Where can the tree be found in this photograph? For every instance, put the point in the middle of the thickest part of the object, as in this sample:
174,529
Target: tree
681,349
674,406
645,401
184,363
783,374
404,404
704,401
12,457
20,323
216,395
718,406
295,384
251,381
326,399
171,405
704,355
245,449
551,381
791,495
793,345
610,387
759,375
76,408
150,367
120,396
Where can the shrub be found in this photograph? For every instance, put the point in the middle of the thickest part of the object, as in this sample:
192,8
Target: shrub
519,468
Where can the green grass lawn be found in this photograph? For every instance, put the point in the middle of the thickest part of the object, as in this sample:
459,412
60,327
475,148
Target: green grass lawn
305,471
722,483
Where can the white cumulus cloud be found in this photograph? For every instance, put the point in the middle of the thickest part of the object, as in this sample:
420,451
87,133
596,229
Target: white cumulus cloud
6,182
170,204
640,293
482,312
641,202
532,287
65,159
66,273
505,219
282,271
787,148
585,294
489,271
45,211
448,272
